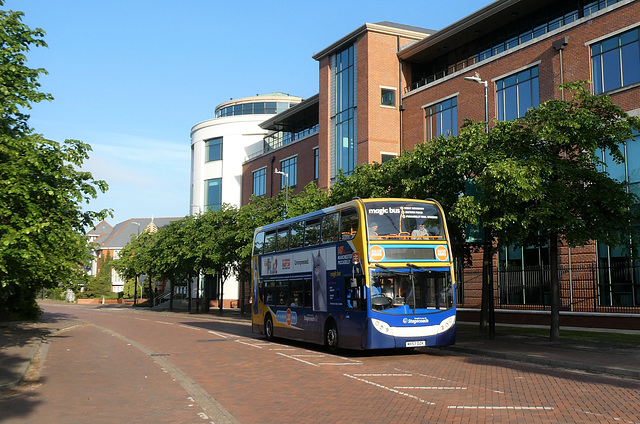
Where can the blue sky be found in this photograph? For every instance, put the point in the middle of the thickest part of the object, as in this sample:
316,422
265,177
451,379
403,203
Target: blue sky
131,77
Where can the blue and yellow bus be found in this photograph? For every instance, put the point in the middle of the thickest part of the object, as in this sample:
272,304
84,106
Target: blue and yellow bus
365,274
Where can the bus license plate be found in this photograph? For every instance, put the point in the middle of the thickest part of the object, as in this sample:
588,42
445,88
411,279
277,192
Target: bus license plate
415,344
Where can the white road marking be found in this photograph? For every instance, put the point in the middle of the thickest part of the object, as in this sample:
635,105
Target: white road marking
383,375
429,388
189,327
163,322
389,389
297,359
217,334
517,408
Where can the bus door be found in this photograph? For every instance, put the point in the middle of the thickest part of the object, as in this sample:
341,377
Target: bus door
353,326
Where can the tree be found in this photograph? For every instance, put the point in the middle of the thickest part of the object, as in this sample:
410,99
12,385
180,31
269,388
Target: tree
41,187
100,284
541,179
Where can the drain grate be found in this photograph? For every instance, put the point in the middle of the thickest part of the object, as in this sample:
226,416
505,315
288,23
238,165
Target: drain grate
159,354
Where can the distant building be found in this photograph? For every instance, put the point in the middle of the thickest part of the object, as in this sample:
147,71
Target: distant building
218,148
112,243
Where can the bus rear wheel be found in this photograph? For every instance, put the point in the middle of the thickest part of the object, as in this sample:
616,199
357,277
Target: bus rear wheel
268,328
331,337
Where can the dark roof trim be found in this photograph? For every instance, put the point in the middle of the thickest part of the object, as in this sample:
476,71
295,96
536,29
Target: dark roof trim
382,27
457,27
302,113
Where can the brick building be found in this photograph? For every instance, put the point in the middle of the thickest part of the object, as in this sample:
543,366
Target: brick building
386,87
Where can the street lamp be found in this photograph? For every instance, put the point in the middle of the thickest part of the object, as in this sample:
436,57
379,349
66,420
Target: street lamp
476,78
487,260
286,186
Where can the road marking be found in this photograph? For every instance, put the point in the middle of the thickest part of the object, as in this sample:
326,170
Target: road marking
383,375
340,363
217,334
297,359
189,327
142,319
309,356
389,389
162,322
516,408
429,388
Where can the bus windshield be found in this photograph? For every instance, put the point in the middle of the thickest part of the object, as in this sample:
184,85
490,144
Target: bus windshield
409,220
411,293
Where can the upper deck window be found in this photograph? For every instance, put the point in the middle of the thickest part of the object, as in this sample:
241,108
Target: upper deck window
404,220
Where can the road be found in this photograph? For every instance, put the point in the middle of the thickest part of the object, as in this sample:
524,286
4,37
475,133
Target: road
121,365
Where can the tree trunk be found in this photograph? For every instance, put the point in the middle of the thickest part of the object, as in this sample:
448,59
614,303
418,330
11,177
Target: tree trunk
221,279
487,312
189,288
151,298
135,291
555,288
173,291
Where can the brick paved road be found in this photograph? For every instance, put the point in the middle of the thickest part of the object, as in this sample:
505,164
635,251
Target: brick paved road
146,367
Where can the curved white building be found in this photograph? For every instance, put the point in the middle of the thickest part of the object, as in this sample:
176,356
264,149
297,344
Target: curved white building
218,148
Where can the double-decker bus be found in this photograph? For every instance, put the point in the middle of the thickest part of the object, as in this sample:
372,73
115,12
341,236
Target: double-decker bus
365,274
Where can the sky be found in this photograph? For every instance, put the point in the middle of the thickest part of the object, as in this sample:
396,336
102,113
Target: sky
132,77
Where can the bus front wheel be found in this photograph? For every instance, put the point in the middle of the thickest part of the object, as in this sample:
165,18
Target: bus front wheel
331,337
268,328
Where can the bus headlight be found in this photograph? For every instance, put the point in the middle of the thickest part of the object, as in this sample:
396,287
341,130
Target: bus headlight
447,324
382,327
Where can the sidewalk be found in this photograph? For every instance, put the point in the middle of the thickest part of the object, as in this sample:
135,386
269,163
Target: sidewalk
20,341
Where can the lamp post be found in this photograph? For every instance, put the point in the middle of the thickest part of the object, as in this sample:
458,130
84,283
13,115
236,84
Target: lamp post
286,186
476,78
135,286
488,321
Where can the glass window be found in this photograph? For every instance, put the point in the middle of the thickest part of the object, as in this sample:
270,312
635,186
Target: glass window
330,228
312,233
517,93
213,149
384,158
270,242
442,119
348,223
615,62
260,182
289,167
389,220
411,293
388,97
316,164
282,242
297,235
345,156
213,194
258,243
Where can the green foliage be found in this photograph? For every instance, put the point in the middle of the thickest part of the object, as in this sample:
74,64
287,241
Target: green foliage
19,86
41,187
100,284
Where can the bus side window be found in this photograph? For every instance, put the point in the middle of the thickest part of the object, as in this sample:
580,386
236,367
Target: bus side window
297,235
258,243
283,239
270,242
348,223
312,233
330,228
307,293
269,293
